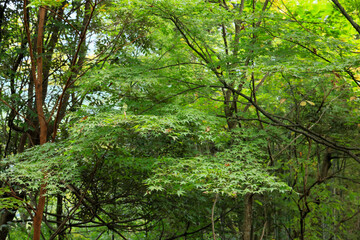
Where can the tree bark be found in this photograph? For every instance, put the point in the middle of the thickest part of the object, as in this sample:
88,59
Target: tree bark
39,213
5,217
347,16
59,212
39,79
326,165
41,118
248,216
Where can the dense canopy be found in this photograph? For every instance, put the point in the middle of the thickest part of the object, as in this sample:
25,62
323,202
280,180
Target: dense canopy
180,119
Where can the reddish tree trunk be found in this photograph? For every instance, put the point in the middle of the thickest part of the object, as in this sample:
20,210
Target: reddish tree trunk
39,213
39,79
41,117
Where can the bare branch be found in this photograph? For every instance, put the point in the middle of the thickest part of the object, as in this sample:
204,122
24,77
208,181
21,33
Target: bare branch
348,17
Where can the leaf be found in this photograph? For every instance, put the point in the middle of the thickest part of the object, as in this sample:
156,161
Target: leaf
258,202
303,103
311,103
180,192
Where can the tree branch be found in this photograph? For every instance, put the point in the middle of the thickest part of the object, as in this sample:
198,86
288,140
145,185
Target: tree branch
348,17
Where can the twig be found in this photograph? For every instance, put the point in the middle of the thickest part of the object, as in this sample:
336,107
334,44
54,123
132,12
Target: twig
212,216
263,231
51,10
12,108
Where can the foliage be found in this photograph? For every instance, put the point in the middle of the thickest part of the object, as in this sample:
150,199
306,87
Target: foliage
9,202
169,119
236,171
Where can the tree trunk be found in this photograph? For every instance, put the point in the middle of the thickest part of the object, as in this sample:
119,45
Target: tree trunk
302,227
39,213
248,216
59,211
41,117
5,217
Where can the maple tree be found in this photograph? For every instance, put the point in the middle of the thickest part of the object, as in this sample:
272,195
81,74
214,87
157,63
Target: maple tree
169,119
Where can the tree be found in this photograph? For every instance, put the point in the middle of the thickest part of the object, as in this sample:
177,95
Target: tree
199,119
52,72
